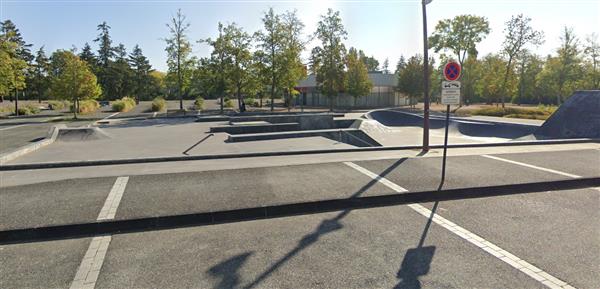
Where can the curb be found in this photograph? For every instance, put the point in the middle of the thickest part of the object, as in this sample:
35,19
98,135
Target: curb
278,211
68,164
50,138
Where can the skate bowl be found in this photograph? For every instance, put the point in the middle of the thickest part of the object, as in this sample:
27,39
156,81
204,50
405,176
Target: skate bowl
457,126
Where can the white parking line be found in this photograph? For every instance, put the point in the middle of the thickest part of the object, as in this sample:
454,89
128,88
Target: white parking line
111,115
15,126
89,269
114,198
532,166
485,245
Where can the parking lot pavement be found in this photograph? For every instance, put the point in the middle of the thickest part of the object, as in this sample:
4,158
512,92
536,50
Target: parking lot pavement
61,202
556,231
49,264
169,194
376,248
423,174
14,136
585,163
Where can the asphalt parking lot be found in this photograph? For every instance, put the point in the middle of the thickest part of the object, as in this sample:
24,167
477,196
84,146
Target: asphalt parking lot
555,232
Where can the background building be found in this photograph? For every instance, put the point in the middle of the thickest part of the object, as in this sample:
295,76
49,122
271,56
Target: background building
383,94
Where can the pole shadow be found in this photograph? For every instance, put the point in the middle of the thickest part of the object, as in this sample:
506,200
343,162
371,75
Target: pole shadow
227,271
325,227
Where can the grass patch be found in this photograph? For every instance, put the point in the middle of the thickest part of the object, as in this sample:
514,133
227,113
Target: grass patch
123,105
159,104
541,112
7,109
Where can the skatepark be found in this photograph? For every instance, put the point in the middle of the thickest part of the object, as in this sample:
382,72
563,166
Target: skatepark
348,197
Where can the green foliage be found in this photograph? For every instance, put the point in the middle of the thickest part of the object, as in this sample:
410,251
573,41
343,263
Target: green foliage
199,103
124,104
228,103
12,66
159,104
58,104
460,35
72,79
28,109
7,109
328,59
86,106
529,113
250,101
357,80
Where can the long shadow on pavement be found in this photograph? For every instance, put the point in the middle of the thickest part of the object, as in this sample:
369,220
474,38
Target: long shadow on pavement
326,226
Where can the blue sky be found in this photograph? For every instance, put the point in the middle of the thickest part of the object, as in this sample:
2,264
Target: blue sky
382,28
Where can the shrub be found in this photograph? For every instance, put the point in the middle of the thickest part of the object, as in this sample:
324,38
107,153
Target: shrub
86,106
28,109
58,104
250,101
124,104
9,109
228,103
159,104
199,103
529,113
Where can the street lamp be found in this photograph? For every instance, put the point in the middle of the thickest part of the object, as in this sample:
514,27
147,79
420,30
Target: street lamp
426,79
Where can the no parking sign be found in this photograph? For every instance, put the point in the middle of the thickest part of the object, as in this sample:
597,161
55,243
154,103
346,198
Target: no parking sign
451,87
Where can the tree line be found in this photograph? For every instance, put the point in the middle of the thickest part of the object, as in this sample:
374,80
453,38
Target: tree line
267,64
513,74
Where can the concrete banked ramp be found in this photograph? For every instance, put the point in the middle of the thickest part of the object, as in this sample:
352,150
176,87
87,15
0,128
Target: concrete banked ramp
457,126
578,117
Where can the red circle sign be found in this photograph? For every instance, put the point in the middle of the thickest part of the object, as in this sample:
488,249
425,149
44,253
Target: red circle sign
452,71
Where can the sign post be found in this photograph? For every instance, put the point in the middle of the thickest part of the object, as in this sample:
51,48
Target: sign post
450,96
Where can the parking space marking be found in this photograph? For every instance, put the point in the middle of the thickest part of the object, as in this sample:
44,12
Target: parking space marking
15,126
532,166
485,245
111,115
114,198
89,269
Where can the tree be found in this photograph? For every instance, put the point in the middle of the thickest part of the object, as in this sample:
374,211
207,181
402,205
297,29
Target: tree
119,74
385,67
410,78
39,80
71,79
88,56
370,61
19,53
518,33
357,80
271,45
330,56
592,52
568,70
218,63
178,51
293,69
530,65
105,49
141,73
12,67
22,50
460,35
490,85
238,52
400,65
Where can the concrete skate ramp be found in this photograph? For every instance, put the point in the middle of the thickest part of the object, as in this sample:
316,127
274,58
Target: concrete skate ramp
578,117
457,126
80,134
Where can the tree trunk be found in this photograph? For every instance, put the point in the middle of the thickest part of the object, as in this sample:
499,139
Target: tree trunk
505,79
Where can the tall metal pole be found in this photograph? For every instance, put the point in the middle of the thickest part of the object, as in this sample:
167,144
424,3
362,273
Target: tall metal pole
425,79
